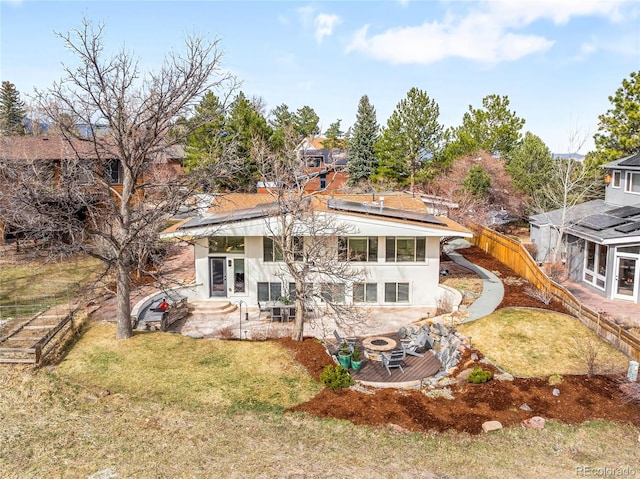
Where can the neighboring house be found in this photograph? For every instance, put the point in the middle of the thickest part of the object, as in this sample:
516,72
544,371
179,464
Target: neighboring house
602,237
321,169
393,239
53,160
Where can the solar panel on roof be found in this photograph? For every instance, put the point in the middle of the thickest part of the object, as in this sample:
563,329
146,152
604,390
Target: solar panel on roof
600,222
226,217
625,211
377,210
629,227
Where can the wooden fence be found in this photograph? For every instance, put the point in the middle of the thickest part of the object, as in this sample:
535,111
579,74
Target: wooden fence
513,254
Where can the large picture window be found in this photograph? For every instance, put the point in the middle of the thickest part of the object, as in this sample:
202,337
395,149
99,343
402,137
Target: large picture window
396,292
358,248
226,244
271,250
401,249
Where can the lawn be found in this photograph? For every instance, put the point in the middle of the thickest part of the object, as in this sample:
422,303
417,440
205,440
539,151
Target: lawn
181,408
530,342
27,287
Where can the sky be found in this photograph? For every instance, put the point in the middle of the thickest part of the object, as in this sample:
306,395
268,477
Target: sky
557,61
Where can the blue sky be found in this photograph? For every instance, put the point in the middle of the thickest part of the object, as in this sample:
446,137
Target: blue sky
557,61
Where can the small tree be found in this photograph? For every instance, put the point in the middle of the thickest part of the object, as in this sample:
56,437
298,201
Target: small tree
313,266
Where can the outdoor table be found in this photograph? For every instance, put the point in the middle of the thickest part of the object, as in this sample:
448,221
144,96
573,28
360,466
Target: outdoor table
281,311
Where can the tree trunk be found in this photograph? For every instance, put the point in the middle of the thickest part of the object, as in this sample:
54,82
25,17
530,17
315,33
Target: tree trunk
298,325
123,294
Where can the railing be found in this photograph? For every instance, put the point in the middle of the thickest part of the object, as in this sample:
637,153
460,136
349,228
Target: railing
513,254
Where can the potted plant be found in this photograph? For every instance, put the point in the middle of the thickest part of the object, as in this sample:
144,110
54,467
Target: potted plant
344,355
356,359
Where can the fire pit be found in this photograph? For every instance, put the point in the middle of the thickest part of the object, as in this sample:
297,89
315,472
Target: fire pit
374,345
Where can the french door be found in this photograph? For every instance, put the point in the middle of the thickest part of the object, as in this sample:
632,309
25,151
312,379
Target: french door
218,277
626,284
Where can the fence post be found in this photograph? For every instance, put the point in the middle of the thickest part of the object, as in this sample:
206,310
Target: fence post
38,353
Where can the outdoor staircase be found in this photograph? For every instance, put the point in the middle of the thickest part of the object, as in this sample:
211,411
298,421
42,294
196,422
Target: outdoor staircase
211,308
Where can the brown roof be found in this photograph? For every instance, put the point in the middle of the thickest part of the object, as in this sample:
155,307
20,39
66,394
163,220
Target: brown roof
29,147
55,147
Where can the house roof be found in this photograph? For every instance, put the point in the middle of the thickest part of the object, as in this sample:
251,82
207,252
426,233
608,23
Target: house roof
56,147
596,221
393,208
630,162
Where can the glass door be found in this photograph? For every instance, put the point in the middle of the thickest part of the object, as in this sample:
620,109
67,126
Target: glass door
218,277
626,284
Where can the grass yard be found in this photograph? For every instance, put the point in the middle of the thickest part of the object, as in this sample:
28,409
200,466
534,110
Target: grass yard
529,342
184,408
175,369
27,286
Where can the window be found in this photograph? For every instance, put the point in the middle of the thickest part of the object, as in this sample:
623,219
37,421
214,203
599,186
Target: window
269,291
313,161
405,249
633,182
358,248
396,292
323,181
238,275
332,292
114,172
77,171
595,263
616,179
226,244
365,293
271,250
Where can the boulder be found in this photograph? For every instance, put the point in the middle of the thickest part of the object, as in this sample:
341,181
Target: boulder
489,426
535,422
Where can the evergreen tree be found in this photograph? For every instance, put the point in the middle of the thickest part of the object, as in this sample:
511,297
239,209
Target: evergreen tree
530,164
412,136
335,137
619,128
493,128
12,110
306,121
477,182
363,162
280,120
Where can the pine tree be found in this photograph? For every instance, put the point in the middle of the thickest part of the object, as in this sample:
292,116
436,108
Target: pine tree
362,158
12,110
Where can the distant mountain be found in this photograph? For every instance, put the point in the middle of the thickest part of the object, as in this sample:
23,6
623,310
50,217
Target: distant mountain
566,156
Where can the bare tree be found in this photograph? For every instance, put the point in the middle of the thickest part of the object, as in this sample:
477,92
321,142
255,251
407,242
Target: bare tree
307,237
571,182
107,110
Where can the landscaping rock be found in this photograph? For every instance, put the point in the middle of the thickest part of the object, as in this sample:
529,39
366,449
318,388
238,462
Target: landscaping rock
525,407
489,426
555,392
535,422
503,377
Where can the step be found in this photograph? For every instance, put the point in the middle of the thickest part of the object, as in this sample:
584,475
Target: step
211,307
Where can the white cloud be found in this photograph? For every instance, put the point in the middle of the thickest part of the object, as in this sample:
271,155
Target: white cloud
325,24
306,15
488,32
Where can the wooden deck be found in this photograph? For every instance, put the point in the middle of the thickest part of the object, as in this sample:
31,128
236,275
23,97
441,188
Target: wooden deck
415,370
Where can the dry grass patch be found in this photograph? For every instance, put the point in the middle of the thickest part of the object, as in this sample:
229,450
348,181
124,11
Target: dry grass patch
176,369
528,342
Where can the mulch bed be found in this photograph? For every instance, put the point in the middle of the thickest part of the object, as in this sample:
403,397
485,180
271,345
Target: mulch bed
580,398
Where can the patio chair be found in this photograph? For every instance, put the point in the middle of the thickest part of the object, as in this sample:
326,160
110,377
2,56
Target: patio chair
418,345
393,360
263,308
350,341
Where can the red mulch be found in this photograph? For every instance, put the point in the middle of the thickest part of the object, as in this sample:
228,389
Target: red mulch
581,398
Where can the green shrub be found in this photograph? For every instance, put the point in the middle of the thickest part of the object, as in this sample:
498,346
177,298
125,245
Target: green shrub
479,376
336,377
355,356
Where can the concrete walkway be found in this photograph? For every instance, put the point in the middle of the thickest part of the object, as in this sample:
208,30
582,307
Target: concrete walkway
492,288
